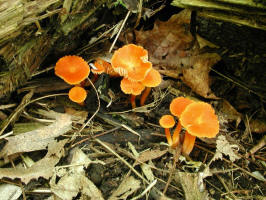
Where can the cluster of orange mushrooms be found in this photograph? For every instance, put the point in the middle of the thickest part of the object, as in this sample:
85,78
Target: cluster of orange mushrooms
73,70
198,118
131,63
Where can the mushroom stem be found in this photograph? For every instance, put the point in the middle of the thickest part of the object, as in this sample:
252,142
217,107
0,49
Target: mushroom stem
132,100
176,135
144,95
188,143
95,78
168,136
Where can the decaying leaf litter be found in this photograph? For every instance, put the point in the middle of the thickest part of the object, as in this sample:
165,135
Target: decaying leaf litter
121,153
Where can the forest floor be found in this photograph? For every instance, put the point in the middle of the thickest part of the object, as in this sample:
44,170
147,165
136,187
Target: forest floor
104,149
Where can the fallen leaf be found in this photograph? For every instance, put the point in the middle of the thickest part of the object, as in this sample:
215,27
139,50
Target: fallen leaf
73,180
168,41
174,51
128,186
146,169
37,139
192,185
223,147
197,76
228,113
78,116
42,168
150,155
10,192
257,126
259,176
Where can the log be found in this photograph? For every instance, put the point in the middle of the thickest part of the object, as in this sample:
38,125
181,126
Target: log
243,12
32,30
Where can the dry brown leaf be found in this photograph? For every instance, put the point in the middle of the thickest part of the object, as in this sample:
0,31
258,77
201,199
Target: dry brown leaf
174,50
128,186
192,186
73,180
224,147
168,42
78,116
10,192
150,155
197,76
227,113
42,168
257,126
37,139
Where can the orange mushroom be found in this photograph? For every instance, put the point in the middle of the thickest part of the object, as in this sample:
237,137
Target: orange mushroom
199,120
101,66
177,106
133,88
153,79
72,69
131,61
167,122
77,94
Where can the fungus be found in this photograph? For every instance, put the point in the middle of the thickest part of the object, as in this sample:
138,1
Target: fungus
167,122
177,106
101,66
131,61
199,120
133,88
77,94
72,69
153,79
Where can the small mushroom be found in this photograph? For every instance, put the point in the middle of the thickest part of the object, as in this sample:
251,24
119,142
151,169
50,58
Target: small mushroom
167,122
199,120
131,61
133,88
153,79
177,106
101,66
72,69
77,94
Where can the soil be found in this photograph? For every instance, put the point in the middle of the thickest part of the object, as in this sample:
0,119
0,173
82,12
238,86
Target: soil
243,63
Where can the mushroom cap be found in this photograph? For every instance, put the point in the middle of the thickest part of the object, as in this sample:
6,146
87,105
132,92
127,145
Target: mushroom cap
77,94
200,120
178,105
153,79
167,121
72,69
131,61
103,67
131,87
100,66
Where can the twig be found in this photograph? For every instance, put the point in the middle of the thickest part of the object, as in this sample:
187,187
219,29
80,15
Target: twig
239,84
154,189
258,146
228,161
97,110
29,102
225,186
42,71
139,15
122,159
6,135
2,107
146,190
94,136
122,26
176,158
